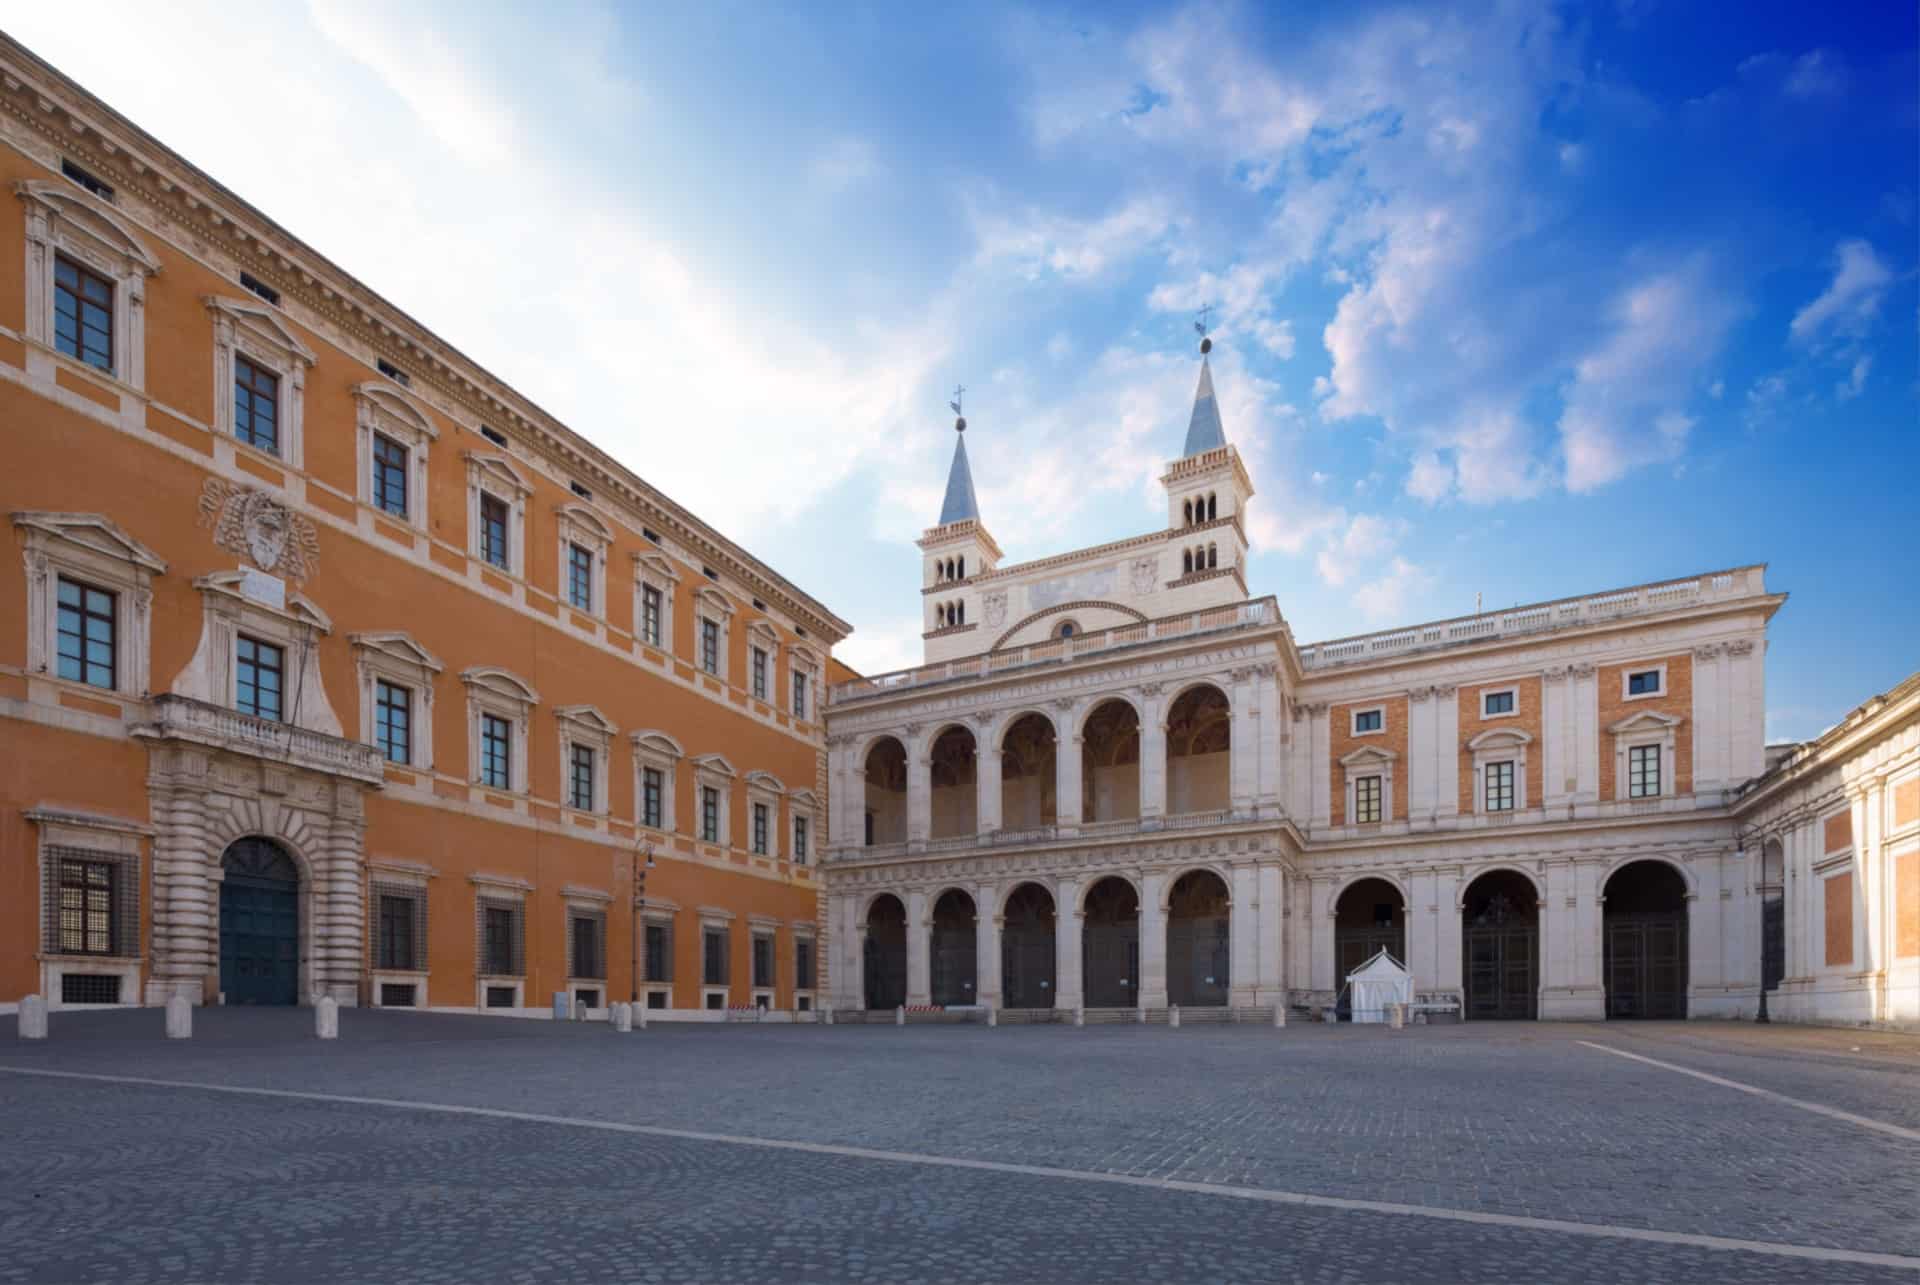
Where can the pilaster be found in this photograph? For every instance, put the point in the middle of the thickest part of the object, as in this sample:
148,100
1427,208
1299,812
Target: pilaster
919,930
1270,929
1153,752
1069,990
1153,941
986,902
987,800
1243,928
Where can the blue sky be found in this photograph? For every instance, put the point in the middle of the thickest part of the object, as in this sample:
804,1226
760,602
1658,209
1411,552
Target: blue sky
1511,301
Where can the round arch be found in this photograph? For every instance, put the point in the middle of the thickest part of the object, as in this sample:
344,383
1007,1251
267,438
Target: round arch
1193,684
1028,915
1004,724
1092,703
1620,863
280,827
1094,880
884,952
1500,908
1175,875
1044,885
953,954
1645,930
863,749
1110,942
1468,879
262,930
1199,937
1333,902
866,907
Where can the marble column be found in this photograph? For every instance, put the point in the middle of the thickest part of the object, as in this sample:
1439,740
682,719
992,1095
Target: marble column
986,809
1067,755
919,792
1153,942
1067,920
1271,911
1243,929
987,925
919,941
1153,755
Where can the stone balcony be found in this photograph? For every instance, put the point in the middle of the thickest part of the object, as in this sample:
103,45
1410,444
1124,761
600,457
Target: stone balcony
1035,838
181,718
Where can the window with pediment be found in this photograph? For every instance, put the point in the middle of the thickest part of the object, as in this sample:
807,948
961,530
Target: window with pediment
396,677
86,280
764,793
584,541
89,608
1500,770
259,378
586,744
654,580
499,718
714,778
251,626
656,759
392,439
714,614
497,513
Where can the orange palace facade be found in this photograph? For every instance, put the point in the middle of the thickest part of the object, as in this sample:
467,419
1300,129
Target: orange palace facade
331,666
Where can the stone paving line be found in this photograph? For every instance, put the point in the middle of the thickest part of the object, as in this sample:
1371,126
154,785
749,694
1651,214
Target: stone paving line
1810,1253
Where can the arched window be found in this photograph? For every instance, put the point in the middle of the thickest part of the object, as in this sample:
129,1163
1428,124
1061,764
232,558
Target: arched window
1188,510
1213,556
1066,630
1213,508
960,613
1186,562
962,573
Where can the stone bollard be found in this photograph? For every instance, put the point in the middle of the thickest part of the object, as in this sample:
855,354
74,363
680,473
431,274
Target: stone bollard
326,1018
559,1006
1079,1014
33,1018
1396,1016
1280,1015
900,1015
1173,1016
826,1015
179,1017
993,1016
1140,1014
623,1017
640,1016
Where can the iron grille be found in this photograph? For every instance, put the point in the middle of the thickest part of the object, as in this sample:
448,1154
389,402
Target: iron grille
714,957
659,961
587,997
120,904
499,997
656,999
399,928
400,994
762,960
500,945
587,944
89,988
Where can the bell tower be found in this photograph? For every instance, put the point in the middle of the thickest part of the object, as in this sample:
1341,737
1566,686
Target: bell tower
1208,487
955,551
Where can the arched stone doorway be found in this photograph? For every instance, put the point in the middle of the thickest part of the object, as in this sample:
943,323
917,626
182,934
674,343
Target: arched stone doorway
1369,917
259,924
1500,947
886,820
954,950
1110,763
1645,926
1199,752
1028,778
1198,945
1110,945
955,790
1026,949
886,953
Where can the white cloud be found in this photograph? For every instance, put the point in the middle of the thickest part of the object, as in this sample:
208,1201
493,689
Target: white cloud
1431,478
1392,596
1037,243
1851,301
883,648
1367,538
1818,74
841,164
1856,381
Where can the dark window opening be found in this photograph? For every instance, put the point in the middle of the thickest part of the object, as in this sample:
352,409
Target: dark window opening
763,961
89,988
400,995
87,909
397,918
580,491
500,997
580,792
393,721
652,790
496,745
250,282
1645,683
580,577
394,373
713,968
86,179
493,435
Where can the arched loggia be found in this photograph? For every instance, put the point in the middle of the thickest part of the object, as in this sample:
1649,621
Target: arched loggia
1027,957
1500,947
1199,752
1198,940
885,963
886,791
1110,763
1645,943
1110,944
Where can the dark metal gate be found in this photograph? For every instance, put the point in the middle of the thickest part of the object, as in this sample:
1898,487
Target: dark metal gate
1027,958
259,925
886,969
1502,963
1110,945
955,964
1773,940
1197,961
1646,965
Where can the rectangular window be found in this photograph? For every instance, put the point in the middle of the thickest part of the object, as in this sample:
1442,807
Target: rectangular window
500,941
589,947
86,908
799,694
659,953
580,577
580,783
653,783
710,814
496,749
762,961
259,678
1368,720
256,405
396,939
1644,683
713,953
803,965
710,646
389,475
393,721
82,314
1498,703
759,674
650,610
1643,772
493,530
88,638
800,840
1366,800
1500,786
760,826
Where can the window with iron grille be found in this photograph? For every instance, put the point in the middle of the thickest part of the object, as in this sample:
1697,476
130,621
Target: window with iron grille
762,960
496,752
1500,786
710,646
500,997
503,937
389,475
493,530
1643,772
803,964
709,814
89,643
800,840
580,577
713,957
89,988
1645,683
256,405
659,952
92,902
652,789
393,721
82,314
1366,800
716,1001
759,673
587,944
761,824
259,678
398,994
580,777
400,928
799,694
650,608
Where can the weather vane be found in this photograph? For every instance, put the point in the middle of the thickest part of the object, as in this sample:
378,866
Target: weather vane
1201,327
960,422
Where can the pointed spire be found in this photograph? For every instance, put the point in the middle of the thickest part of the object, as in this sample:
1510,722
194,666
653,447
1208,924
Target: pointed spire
960,503
1204,431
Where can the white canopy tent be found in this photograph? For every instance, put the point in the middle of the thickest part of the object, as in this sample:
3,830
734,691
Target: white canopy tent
1381,981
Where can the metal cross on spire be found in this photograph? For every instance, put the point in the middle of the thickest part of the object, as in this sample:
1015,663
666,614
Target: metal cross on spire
1201,327
959,396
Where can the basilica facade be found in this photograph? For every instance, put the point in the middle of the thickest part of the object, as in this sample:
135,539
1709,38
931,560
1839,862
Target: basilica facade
1118,785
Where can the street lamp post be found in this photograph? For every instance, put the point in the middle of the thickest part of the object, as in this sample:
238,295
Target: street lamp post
637,882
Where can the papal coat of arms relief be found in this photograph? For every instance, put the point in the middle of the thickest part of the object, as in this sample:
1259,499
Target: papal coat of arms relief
254,525
1145,572
996,608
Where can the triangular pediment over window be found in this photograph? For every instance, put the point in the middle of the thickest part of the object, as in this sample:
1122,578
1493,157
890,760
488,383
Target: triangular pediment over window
1499,737
1647,720
400,647
263,321
390,401
92,531
1367,756
656,565
500,682
715,763
766,781
587,716
83,215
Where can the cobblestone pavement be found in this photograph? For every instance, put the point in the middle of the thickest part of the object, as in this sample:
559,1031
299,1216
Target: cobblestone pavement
134,1182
